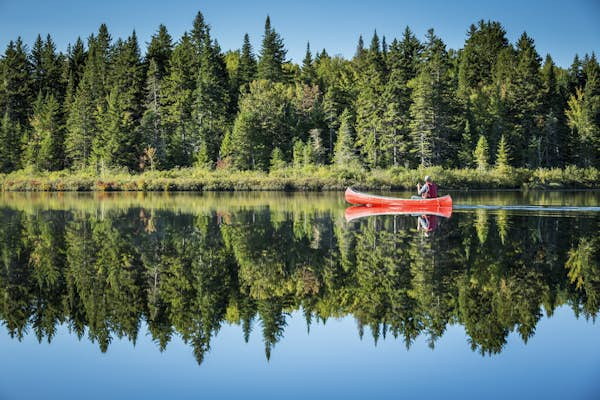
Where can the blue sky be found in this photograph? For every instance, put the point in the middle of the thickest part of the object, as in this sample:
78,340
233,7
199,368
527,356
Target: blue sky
560,28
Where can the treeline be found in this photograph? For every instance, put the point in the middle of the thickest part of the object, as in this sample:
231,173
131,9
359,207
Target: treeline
187,103
102,271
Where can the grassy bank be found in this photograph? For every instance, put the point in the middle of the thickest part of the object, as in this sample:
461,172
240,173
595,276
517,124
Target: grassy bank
321,178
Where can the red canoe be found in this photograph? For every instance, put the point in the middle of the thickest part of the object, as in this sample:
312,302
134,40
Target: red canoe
356,212
410,205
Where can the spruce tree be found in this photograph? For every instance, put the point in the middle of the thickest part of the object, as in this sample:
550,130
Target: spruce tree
10,144
308,74
73,71
272,55
81,125
247,66
44,149
177,94
481,153
526,111
16,88
482,47
431,111
502,156
159,50
344,153
211,101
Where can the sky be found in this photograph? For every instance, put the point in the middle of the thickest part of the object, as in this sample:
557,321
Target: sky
561,28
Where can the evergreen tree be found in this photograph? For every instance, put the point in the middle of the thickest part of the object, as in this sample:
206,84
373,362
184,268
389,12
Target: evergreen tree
16,85
482,47
81,124
344,154
481,153
160,50
44,150
10,144
402,62
199,34
177,94
47,65
526,111
151,124
502,156
431,111
554,146
247,66
211,101
73,71
272,55
117,143
308,74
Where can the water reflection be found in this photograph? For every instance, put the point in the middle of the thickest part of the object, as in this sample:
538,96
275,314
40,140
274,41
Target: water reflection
185,266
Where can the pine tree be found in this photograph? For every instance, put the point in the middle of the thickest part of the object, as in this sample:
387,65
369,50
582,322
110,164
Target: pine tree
527,91
10,144
177,94
481,153
370,107
81,125
44,150
344,154
151,124
160,50
199,33
114,141
502,156
117,143
402,63
211,101
553,145
308,74
431,110
16,88
46,64
482,47
247,66
298,154
73,71
272,55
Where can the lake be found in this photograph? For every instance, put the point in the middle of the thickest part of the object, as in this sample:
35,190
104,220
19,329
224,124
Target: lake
278,295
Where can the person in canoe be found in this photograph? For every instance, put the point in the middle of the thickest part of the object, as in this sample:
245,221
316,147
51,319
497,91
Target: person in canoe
428,190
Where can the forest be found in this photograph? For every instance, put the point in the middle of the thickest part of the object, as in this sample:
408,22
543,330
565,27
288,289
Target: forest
184,267
406,103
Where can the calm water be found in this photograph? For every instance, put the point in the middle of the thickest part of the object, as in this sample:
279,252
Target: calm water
271,295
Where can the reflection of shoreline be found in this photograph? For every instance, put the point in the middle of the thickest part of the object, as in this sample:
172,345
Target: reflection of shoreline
356,212
189,273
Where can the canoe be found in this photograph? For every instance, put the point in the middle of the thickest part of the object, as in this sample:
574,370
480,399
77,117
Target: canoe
371,200
356,212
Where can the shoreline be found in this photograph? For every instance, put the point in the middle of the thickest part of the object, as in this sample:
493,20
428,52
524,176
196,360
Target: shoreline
294,180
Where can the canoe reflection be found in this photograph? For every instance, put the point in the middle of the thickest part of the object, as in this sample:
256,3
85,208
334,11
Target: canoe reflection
356,212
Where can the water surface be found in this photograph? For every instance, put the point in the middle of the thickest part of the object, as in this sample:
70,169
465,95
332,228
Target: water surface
271,295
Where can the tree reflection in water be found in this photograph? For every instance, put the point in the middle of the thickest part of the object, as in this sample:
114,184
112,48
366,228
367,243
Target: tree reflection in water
104,270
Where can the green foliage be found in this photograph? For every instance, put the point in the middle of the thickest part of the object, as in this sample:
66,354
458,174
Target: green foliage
481,153
277,161
412,103
108,264
272,55
502,156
